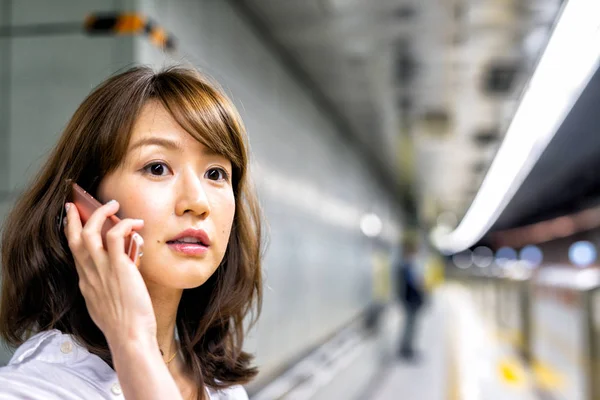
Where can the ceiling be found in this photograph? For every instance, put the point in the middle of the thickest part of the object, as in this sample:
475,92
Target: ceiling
427,88
565,178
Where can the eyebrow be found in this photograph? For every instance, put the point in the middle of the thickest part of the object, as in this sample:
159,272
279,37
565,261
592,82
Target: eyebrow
156,141
169,144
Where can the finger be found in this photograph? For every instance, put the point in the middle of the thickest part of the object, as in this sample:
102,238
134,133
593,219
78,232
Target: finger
92,231
72,226
115,238
91,236
73,229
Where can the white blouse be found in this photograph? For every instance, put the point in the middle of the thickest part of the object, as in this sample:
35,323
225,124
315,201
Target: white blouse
51,366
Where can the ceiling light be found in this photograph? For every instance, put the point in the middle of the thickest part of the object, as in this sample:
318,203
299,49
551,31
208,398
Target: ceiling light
568,62
371,225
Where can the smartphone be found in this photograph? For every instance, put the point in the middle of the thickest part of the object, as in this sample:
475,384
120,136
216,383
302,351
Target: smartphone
86,204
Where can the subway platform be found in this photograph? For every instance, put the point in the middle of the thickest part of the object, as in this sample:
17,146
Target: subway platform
463,354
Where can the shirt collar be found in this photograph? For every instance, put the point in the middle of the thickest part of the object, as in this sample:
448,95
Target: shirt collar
55,347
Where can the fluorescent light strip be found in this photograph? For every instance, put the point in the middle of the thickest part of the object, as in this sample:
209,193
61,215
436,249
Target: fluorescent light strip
566,66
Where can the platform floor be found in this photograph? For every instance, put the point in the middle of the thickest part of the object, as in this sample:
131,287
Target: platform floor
461,357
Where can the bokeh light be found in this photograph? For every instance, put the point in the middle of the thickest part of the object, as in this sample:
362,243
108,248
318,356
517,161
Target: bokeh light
371,225
463,260
532,255
505,255
483,257
582,253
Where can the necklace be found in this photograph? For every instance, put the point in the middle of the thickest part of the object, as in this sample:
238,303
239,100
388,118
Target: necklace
170,359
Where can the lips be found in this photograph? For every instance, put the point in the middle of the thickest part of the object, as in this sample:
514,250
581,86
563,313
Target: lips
191,242
188,240
191,236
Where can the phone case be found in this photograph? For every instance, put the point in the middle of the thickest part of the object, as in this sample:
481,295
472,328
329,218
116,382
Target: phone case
86,204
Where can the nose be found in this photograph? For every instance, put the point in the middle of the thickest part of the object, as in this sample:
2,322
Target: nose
192,197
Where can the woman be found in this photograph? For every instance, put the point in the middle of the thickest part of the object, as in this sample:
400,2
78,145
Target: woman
169,150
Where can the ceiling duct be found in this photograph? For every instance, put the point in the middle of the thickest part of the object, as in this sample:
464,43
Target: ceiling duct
405,103
459,32
405,65
435,122
458,12
404,13
485,137
480,167
500,78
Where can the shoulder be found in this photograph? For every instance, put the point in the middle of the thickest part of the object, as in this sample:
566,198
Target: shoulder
236,392
51,365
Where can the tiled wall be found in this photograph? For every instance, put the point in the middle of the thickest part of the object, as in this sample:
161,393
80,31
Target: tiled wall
318,265
318,273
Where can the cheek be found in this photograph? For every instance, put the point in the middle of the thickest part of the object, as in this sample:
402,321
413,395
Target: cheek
145,204
226,216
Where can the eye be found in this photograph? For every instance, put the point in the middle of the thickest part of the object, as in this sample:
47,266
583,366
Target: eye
157,169
217,174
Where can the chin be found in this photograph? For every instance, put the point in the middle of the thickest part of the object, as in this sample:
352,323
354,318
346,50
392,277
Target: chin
181,279
179,274
192,283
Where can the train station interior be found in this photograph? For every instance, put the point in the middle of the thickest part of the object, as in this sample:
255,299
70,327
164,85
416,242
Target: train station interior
426,172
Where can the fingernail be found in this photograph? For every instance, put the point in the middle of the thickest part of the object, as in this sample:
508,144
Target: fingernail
67,206
139,221
65,221
111,201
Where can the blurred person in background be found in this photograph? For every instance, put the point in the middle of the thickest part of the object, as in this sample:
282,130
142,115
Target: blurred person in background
411,292
170,150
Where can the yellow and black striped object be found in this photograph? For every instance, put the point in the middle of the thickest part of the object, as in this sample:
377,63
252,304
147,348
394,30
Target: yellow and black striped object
129,24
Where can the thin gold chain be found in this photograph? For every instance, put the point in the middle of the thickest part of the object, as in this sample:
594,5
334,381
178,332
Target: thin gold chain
171,359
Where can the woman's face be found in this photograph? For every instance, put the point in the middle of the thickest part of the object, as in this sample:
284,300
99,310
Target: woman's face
174,183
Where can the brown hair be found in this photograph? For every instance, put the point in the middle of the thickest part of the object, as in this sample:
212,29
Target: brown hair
39,280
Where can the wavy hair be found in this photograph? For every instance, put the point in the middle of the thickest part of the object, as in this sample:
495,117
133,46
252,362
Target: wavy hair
39,280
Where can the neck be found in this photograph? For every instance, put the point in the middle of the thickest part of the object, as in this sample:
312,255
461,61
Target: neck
165,302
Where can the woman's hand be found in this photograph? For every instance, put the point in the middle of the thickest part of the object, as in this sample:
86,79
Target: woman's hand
118,302
114,291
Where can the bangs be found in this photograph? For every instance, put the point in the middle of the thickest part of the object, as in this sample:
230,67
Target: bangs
206,114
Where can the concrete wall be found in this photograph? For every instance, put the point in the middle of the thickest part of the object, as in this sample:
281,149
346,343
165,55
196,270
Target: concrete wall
49,76
313,186
43,78
317,268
